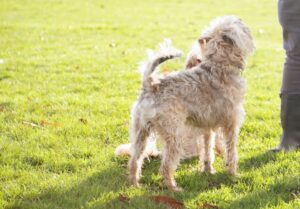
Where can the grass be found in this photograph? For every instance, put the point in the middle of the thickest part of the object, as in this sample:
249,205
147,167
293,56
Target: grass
67,82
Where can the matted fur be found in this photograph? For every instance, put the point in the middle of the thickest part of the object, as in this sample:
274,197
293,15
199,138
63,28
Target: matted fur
191,147
193,103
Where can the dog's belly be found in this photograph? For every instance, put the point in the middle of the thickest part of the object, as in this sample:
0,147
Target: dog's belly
213,112
191,147
207,120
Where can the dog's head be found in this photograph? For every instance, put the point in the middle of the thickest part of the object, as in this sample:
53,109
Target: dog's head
227,40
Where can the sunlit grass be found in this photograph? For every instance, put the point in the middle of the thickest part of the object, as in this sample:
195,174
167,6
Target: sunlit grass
67,82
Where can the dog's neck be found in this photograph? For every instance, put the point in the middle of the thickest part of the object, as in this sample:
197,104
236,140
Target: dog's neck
225,58
227,75
221,68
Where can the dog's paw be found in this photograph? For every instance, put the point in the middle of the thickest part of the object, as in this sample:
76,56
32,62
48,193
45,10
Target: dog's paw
232,171
134,181
175,189
208,168
211,171
135,184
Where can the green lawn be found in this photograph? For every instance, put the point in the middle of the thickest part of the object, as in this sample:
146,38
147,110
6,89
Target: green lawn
67,82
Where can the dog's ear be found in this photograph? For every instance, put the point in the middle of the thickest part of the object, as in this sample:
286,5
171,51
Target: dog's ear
192,62
202,43
227,39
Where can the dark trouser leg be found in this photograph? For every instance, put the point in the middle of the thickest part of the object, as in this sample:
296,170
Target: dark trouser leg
290,121
289,18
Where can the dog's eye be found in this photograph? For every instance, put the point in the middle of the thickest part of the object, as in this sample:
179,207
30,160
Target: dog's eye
227,39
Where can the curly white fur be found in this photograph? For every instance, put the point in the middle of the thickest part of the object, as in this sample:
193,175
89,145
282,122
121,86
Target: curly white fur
194,104
166,51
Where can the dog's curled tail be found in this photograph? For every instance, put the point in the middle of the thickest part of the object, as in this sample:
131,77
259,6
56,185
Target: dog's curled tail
165,52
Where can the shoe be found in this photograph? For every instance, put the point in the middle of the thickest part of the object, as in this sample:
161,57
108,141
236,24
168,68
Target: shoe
275,150
290,122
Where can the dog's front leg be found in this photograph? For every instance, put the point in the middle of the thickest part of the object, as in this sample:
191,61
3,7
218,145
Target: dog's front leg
231,136
209,155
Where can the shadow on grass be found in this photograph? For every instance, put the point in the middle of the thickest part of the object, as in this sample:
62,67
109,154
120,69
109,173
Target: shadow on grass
101,190
187,176
192,181
259,160
285,190
143,202
196,181
88,192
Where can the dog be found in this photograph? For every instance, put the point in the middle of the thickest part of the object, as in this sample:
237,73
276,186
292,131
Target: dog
190,147
198,102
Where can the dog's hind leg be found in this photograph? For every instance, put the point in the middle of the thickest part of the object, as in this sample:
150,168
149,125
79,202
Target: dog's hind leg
170,159
209,155
139,141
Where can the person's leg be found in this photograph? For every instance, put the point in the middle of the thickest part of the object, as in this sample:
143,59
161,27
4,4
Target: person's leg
289,17
290,121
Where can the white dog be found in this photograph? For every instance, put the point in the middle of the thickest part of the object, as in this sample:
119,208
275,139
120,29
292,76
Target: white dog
191,147
193,103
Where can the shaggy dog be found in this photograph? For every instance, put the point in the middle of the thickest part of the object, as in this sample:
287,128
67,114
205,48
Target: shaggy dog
191,147
192,103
